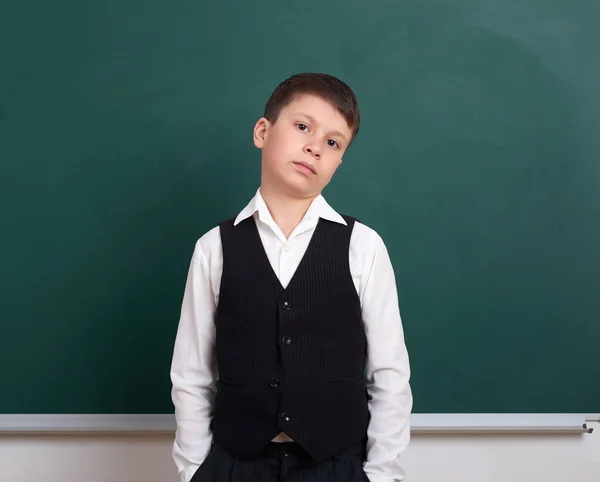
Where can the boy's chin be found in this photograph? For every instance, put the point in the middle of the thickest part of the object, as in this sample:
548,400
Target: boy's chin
301,187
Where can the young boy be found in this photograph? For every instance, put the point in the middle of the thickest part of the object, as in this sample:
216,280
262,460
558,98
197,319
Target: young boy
293,309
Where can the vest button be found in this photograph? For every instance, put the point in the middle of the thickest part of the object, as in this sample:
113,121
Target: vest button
285,417
287,306
274,382
286,340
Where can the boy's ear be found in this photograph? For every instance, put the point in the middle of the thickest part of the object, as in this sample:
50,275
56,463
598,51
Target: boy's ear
261,129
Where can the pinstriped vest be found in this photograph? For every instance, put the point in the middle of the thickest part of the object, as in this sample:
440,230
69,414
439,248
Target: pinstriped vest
290,359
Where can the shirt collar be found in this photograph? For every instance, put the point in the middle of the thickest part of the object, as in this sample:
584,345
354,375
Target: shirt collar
319,208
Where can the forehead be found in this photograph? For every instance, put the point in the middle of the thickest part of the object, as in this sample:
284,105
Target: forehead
319,109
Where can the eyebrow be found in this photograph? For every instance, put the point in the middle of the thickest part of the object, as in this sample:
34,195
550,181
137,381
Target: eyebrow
314,121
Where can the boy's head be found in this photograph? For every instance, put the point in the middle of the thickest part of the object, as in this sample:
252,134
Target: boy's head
309,122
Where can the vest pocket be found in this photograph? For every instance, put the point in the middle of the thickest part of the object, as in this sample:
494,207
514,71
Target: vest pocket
230,383
357,378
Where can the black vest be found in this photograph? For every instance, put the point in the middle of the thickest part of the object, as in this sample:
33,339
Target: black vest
290,360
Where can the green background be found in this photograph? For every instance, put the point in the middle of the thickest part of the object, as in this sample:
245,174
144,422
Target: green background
125,134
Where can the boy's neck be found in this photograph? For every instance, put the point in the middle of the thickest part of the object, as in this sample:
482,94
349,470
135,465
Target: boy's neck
287,211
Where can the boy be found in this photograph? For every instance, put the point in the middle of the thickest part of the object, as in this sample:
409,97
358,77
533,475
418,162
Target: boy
293,308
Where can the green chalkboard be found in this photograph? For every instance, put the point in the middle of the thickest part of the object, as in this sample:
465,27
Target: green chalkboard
125,134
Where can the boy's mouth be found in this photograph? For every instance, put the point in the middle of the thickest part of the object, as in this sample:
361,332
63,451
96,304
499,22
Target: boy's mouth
306,165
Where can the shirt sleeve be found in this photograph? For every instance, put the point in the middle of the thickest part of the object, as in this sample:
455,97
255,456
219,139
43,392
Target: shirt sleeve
387,371
194,370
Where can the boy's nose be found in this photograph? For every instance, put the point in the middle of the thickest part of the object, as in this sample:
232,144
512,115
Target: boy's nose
313,151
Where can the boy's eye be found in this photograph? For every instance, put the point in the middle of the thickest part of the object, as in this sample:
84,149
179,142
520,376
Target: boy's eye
302,127
332,143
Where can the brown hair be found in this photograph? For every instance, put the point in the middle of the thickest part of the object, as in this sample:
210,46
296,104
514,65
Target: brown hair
328,87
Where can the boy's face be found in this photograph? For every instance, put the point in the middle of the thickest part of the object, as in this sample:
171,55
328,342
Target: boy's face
303,148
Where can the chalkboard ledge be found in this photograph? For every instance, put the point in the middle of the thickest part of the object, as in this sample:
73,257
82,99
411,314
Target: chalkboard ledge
420,423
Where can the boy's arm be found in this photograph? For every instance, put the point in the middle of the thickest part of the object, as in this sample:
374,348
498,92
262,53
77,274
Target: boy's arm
388,370
193,369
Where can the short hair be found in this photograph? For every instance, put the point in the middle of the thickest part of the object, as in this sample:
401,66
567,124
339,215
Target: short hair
327,87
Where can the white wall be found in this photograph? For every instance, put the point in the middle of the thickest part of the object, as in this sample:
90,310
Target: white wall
430,458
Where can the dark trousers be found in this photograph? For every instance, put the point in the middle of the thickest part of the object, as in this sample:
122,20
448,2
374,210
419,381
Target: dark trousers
281,462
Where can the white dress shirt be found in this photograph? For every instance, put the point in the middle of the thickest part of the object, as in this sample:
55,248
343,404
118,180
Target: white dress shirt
194,371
